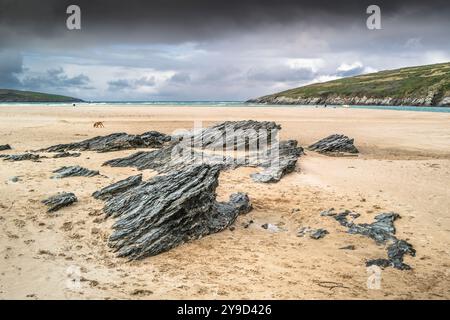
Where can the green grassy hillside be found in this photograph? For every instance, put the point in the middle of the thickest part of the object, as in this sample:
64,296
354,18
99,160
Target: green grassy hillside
7,95
423,85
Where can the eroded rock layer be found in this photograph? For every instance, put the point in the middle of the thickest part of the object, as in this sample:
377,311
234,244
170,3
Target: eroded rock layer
59,201
334,143
168,210
114,142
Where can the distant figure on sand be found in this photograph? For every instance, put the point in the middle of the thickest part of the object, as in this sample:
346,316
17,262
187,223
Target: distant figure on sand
98,124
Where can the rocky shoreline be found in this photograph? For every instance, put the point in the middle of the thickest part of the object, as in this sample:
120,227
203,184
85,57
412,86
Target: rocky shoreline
428,101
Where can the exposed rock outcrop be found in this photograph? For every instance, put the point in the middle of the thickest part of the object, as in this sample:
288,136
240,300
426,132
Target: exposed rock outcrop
118,187
335,143
282,160
21,157
336,100
383,232
66,154
256,144
5,147
168,210
74,171
114,142
59,201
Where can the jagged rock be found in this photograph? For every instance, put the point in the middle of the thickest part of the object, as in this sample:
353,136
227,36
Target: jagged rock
74,171
114,142
21,157
318,234
59,200
5,147
313,233
396,251
278,159
168,210
334,143
118,187
66,154
279,162
382,231
234,135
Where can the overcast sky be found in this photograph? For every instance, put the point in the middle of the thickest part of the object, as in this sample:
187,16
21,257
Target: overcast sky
208,49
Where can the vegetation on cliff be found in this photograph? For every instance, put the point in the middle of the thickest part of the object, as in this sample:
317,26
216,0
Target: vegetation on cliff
427,85
8,95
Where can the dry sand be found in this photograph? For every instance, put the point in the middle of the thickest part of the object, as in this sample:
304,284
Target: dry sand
404,167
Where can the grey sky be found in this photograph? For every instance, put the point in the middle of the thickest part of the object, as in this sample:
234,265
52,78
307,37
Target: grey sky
209,50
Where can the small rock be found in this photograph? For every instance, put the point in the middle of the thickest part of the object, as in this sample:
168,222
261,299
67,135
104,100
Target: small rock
59,201
74,171
318,233
349,247
14,179
5,147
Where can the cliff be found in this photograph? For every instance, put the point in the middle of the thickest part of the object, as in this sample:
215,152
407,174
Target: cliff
427,85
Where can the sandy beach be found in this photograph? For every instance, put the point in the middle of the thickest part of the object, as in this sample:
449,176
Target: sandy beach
403,166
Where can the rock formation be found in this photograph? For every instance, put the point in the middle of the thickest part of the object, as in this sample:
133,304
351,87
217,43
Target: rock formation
282,160
383,232
334,143
5,147
256,141
59,200
118,187
114,142
66,154
166,211
21,157
74,171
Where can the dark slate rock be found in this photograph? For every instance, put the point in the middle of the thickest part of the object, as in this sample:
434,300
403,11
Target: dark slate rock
335,143
168,210
114,142
66,154
228,134
277,159
21,157
5,147
74,171
118,187
382,230
318,234
59,201
349,247
279,163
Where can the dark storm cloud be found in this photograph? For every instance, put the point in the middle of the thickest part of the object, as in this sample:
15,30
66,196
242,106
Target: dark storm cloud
10,67
127,84
169,21
56,79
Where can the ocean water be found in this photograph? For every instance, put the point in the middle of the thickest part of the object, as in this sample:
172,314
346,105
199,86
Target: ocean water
236,104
